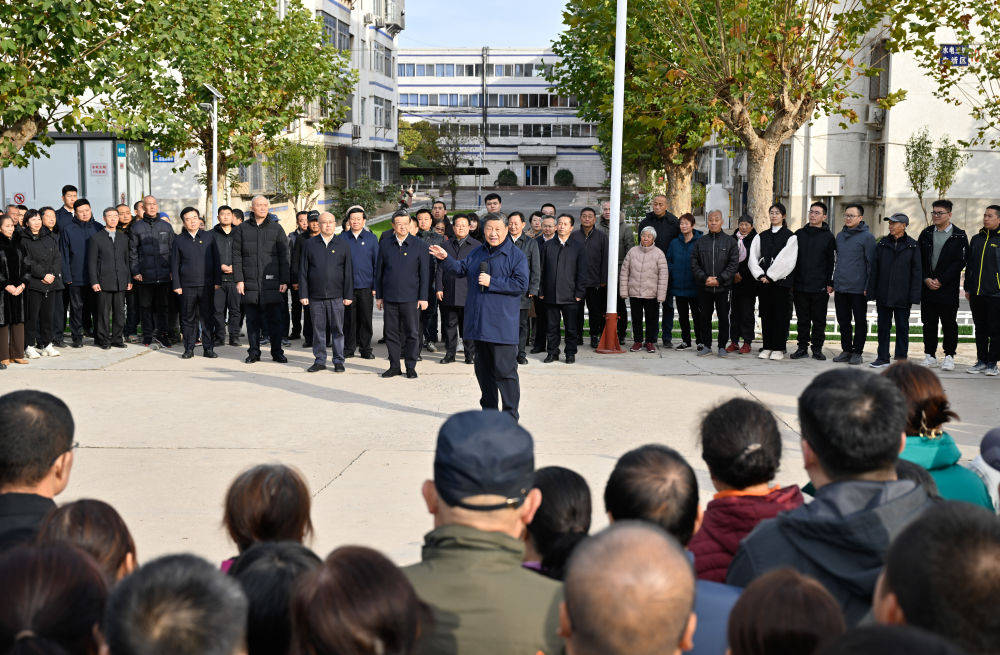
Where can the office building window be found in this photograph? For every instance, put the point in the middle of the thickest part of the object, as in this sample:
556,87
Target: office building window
876,170
376,169
330,167
381,59
782,171
878,85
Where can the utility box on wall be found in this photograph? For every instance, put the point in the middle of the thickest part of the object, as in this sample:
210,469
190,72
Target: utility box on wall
828,185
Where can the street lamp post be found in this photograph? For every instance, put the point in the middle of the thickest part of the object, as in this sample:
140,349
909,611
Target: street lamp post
215,153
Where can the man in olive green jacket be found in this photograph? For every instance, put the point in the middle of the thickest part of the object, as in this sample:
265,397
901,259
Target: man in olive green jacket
470,573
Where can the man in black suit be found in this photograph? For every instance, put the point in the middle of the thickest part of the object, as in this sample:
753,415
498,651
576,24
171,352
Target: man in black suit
595,246
110,273
541,331
527,245
451,292
196,274
326,287
402,284
562,287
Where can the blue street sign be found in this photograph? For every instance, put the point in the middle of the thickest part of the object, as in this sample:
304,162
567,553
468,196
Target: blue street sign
957,54
157,159
121,149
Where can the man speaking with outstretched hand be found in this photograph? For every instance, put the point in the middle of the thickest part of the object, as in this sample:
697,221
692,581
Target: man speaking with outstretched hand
493,310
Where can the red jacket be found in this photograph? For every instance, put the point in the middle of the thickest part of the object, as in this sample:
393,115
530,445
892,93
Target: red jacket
727,521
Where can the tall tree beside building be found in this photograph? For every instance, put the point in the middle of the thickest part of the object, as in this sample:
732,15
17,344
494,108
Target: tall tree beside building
419,141
451,158
296,169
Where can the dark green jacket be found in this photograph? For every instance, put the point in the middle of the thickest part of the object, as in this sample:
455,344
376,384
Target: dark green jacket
940,457
484,602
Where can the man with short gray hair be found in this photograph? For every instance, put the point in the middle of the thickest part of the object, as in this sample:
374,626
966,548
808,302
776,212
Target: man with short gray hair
326,287
667,229
109,274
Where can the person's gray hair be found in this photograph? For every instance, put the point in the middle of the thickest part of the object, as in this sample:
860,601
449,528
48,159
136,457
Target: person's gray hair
714,211
497,216
648,228
264,198
109,209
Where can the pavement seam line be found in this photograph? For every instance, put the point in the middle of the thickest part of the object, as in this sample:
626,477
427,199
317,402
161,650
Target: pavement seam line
754,396
342,471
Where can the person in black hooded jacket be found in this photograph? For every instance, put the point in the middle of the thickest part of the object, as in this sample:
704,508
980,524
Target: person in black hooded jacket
741,315
226,303
943,250
812,280
715,258
44,264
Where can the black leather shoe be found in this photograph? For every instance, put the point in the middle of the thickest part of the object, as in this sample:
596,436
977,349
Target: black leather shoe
550,358
209,354
799,354
430,347
349,355
188,354
251,359
392,372
521,359
535,351
281,359
219,342
411,374
338,368
367,356
316,367
119,345
844,356
447,359
77,343
419,358
295,335
819,356
235,342
470,360
307,343
382,340
105,346
570,359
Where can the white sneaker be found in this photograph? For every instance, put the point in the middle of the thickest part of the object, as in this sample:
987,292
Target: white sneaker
31,353
929,360
992,370
50,351
777,354
948,364
764,354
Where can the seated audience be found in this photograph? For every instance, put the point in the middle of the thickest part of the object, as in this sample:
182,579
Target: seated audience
561,522
269,574
36,456
942,574
987,465
629,591
853,426
927,444
269,502
655,484
470,572
742,447
176,605
97,529
890,640
357,603
52,601
784,612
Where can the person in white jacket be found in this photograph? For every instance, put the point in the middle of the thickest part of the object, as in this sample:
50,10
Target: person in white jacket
772,258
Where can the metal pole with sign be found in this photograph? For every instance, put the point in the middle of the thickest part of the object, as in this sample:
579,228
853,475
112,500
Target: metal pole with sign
215,154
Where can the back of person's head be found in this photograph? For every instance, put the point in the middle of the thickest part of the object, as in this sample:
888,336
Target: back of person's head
740,443
654,483
783,611
37,431
925,398
268,573
563,518
629,590
95,527
942,574
907,470
269,502
356,603
52,601
890,640
853,421
176,605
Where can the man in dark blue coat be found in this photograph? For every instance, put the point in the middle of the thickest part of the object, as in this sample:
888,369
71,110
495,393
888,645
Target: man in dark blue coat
493,310
326,287
110,276
402,283
452,291
227,301
364,261
196,274
152,238
894,285
74,241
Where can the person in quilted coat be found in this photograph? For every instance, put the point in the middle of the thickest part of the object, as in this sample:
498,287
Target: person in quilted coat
643,280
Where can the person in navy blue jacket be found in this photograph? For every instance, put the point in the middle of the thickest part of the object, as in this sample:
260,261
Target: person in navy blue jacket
402,283
196,274
493,310
74,241
326,287
110,275
452,292
364,261
152,238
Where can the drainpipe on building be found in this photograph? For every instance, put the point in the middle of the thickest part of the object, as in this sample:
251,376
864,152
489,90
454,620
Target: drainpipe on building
805,172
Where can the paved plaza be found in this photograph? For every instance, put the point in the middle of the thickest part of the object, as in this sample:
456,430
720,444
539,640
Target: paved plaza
161,438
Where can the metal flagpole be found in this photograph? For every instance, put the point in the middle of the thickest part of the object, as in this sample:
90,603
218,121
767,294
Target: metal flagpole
609,339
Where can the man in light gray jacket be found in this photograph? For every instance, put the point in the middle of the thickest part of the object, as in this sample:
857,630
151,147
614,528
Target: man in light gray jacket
855,254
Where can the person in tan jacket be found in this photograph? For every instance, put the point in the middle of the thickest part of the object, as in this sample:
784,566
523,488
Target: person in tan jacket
643,280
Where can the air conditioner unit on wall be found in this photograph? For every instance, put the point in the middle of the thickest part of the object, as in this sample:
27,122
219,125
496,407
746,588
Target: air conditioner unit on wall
355,132
876,115
828,185
368,19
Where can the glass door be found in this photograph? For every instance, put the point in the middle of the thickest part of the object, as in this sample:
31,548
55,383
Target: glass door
536,175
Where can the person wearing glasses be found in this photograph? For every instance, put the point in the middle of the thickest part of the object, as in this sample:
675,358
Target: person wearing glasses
812,281
855,254
943,250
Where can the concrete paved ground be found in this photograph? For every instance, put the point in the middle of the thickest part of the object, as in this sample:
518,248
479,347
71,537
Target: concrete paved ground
161,438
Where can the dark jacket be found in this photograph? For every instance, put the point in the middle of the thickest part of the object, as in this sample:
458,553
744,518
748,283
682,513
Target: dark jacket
681,280
595,248
20,517
713,602
982,275
295,240
63,217
74,239
325,271
814,266
454,287
855,252
493,315
42,257
12,272
727,520
949,267
224,246
840,538
563,269
194,261
895,280
747,282
432,238
667,229
403,273
626,238
529,247
108,261
152,239
364,256
484,601
715,255
260,261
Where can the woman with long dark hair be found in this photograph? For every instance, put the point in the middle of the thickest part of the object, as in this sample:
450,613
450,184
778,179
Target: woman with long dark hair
44,265
772,258
561,522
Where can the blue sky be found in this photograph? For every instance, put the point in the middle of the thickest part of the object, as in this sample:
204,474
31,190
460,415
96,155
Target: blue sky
477,23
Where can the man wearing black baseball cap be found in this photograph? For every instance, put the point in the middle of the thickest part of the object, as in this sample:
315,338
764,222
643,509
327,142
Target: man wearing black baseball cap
470,571
894,285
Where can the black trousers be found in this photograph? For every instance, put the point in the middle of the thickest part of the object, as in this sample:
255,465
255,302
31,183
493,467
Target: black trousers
667,323
686,307
197,303
986,317
523,332
596,300
719,302
775,315
622,310
59,303
496,371
429,320
402,333
886,317
741,314
358,322
852,306
297,313
651,308
269,317
131,313
541,324
82,308
947,313
226,306
154,302
173,311
568,313
110,318
38,322
453,326
810,314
